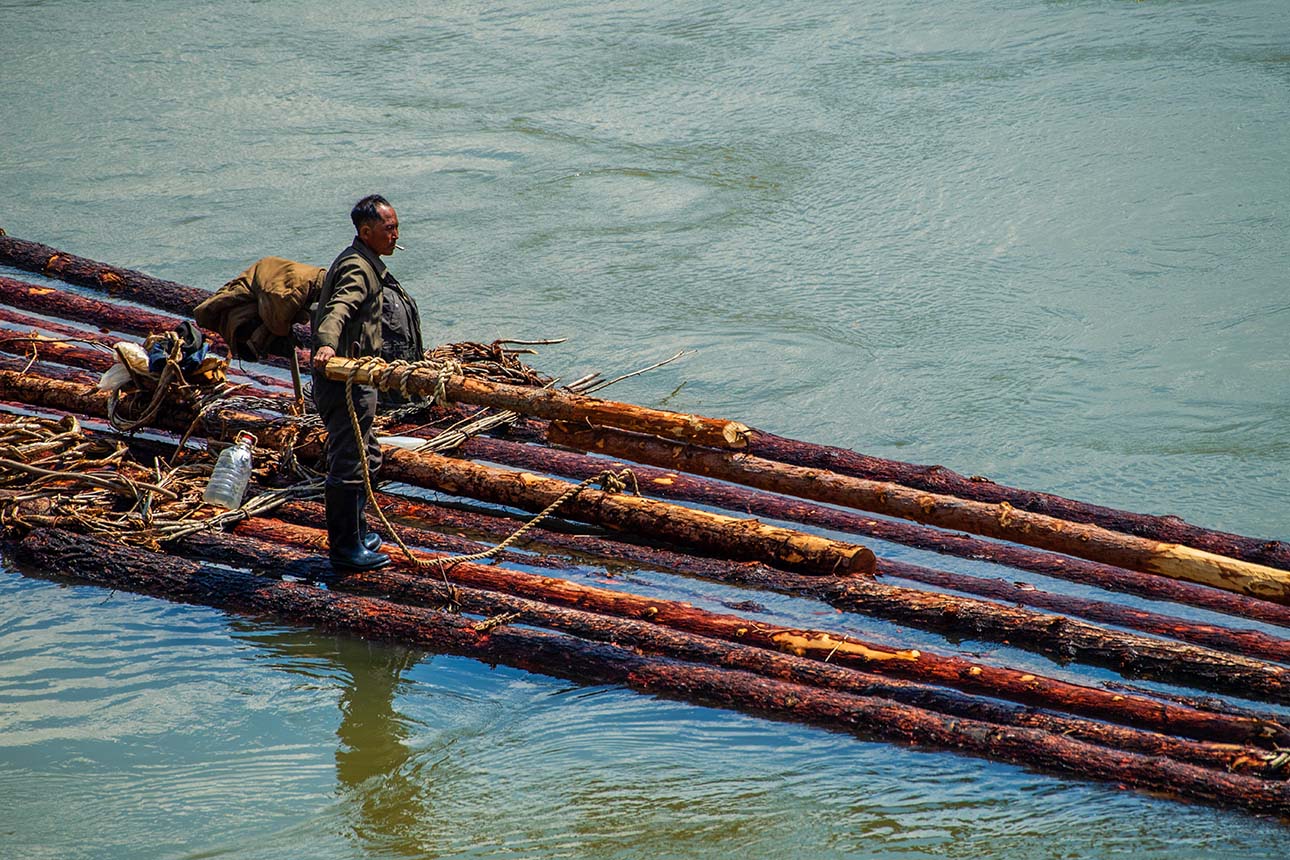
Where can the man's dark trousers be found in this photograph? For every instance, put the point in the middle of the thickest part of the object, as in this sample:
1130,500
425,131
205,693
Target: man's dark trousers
344,465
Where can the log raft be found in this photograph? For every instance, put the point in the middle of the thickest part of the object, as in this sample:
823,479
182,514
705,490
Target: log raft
1060,637
266,557
1195,735
996,520
178,298
584,661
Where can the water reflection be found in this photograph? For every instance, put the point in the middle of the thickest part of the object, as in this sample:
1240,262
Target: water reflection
374,761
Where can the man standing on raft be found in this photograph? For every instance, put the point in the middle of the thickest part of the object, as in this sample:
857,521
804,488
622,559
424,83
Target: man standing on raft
348,317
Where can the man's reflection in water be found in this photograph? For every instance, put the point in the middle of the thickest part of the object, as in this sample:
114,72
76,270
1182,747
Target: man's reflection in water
373,758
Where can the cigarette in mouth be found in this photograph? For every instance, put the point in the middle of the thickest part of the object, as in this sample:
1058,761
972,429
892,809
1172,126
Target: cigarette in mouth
399,247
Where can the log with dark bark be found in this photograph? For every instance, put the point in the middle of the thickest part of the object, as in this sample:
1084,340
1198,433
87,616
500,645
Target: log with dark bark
113,280
22,366
670,484
60,352
1247,642
71,333
68,305
85,399
996,520
569,657
108,316
276,560
917,665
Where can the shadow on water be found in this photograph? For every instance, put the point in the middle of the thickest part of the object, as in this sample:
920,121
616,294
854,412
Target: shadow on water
380,800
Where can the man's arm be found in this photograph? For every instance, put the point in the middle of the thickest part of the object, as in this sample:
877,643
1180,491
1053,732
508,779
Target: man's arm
351,289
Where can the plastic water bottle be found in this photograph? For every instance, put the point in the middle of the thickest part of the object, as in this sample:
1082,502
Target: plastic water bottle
232,473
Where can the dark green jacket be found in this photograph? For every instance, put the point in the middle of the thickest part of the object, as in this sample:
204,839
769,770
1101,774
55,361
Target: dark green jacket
349,306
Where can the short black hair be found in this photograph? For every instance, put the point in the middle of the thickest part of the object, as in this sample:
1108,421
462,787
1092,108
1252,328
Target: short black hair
364,211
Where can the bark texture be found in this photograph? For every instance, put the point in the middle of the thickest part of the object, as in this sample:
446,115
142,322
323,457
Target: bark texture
569,657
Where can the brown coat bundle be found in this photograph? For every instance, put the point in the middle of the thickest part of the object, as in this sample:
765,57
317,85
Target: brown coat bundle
259,306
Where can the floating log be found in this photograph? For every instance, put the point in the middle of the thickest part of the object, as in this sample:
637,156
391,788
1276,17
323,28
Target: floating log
1249,643
568,657
72,306
938,479
999,520
671,484
916,665
732,537
548,403
115,281
274,559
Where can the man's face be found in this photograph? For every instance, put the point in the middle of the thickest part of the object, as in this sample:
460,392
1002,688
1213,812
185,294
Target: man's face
380,235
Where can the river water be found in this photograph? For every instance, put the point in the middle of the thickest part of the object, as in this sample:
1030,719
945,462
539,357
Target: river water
1041,241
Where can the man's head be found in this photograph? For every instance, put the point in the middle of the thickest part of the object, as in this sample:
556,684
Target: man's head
376,223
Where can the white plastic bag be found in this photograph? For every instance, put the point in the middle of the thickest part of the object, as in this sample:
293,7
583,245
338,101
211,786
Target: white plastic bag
117,375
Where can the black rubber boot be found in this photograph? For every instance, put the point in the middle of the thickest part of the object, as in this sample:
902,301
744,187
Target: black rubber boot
371,540
344,543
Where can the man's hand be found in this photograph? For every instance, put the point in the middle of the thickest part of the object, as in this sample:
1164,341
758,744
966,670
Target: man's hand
322,356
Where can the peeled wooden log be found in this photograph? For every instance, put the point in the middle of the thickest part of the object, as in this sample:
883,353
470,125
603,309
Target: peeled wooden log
115,281
275,559
729,536
1000,520
550,403
671,484
938,479
849,650
576,659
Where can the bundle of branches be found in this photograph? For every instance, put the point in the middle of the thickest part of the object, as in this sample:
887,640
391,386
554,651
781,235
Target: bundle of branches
493,361
63,477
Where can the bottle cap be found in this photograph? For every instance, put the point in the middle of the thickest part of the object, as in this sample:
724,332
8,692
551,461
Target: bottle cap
246,435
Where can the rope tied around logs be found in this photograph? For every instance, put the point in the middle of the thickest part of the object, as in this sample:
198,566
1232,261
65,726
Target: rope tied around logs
397,373
609,481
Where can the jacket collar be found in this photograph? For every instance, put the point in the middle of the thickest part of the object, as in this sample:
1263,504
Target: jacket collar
371,257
